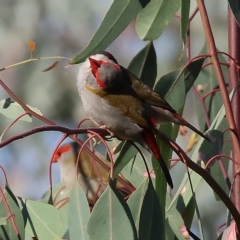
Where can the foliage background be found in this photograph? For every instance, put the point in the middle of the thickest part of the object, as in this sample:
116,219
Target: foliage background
64,28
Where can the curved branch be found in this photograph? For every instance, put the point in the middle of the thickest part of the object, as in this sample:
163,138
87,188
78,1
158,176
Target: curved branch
205,175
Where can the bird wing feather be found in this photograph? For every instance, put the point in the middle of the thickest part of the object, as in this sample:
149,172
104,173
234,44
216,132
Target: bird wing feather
146,93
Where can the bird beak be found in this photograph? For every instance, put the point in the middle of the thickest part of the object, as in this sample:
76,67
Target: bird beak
94,63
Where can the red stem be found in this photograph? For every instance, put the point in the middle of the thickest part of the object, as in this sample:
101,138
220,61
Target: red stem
223,89
10,214
234,52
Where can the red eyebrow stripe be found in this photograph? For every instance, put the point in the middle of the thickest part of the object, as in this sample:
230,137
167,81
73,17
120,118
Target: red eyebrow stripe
59,151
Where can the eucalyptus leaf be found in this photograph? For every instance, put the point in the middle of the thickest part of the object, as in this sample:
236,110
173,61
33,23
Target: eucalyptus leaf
7,230
175,221
185,8
153,19
151,224
79,214
144,65
111,217
118,17
235,9
43,221
13,110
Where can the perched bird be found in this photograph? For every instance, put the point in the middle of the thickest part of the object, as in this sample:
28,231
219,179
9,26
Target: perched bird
118,101
92,177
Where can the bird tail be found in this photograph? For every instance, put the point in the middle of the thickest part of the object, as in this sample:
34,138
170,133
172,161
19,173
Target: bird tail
182,121
152,144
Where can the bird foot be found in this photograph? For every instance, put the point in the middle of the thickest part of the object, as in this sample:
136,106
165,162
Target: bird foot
107,129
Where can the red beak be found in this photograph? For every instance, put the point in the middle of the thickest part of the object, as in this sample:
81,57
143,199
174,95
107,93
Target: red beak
94,64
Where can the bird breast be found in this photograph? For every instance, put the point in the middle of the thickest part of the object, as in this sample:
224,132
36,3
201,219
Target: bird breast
103,113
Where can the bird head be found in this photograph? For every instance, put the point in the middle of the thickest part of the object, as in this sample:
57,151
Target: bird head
101,71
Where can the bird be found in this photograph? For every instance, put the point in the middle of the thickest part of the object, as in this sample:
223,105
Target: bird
92,177
118,101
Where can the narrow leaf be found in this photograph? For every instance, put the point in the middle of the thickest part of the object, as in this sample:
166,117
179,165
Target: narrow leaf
176,222
79,214
7,230
151,225
172,87
235,9
191,73
153,19
135,171
185,8
118,17
51,67
144,65
136,200
127,153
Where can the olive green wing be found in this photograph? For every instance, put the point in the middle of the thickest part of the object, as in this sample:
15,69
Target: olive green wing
146,93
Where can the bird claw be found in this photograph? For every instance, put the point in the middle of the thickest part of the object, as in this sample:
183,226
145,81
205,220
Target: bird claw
107,129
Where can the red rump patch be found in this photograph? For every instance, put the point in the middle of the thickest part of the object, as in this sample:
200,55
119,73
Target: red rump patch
59,152
149,138
153,121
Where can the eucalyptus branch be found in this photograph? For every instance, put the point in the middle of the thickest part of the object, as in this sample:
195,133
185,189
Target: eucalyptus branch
32,60
219,74
205,175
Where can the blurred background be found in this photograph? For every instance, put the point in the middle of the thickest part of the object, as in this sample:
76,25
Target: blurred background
64,28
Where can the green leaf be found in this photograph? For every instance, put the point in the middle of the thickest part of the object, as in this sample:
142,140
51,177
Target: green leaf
13,110
235,9
144,65
220,115
208,150
118,17
172,87
187,212
146,211
175,85
151,224
187,193
175,220
185,8
59,192
207,79
43,221
191,72
153,19
135,171
3,220
7,230
79,214
111,217
127,153
136,200
60,195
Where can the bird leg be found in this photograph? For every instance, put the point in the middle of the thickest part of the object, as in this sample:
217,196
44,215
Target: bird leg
107,129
